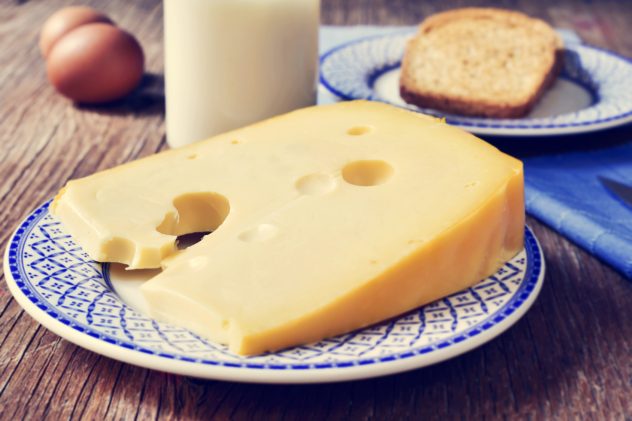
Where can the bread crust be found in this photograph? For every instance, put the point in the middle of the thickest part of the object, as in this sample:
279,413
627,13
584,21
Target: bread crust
470,107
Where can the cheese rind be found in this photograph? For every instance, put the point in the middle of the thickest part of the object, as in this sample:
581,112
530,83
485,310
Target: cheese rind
325,220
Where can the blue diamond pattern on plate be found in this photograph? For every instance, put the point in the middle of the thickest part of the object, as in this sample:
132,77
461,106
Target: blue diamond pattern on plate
58,276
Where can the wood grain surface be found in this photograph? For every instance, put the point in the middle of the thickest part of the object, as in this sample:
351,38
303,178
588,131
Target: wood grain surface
570,357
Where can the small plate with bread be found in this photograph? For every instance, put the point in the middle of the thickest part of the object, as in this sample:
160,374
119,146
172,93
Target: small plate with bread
489,71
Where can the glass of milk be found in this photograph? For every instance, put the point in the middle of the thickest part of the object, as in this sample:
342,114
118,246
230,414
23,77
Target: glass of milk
229,63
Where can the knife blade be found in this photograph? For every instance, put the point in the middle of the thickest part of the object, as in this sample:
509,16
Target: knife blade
618,190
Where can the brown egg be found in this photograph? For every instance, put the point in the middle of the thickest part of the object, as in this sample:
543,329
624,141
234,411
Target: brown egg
65,20
95,63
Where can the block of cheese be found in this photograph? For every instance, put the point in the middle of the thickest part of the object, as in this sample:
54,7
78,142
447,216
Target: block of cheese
324,220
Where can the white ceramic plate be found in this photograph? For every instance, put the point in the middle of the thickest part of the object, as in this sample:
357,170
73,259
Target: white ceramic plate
593,91
98,308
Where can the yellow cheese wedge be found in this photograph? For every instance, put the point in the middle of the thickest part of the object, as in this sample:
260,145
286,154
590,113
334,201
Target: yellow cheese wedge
324,220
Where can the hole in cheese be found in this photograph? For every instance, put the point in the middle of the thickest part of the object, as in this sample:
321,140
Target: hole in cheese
195,212
358,130
260,233
367,173
185,241
198,263
314,184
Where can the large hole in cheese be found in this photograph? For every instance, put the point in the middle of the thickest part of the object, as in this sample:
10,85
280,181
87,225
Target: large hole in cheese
195,212
185,241
367,173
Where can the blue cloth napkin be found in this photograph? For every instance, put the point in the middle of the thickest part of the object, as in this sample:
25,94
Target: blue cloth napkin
561,184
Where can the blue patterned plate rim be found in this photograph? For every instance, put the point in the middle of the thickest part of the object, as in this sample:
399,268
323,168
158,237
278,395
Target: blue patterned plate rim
56,319
614,114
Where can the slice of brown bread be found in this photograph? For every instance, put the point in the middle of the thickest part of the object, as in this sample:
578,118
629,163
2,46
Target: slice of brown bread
480,62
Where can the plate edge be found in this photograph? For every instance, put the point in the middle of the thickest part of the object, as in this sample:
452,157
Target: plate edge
324,375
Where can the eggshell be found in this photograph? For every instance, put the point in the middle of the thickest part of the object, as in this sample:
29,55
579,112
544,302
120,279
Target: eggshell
65,20
95,63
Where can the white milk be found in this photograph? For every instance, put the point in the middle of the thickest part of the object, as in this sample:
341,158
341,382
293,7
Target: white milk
229,63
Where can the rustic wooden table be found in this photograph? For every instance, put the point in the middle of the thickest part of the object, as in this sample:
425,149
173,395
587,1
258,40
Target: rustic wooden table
569,357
